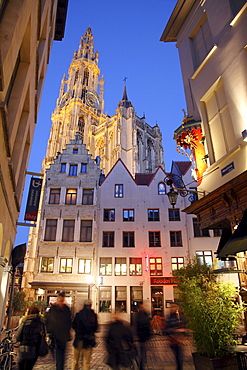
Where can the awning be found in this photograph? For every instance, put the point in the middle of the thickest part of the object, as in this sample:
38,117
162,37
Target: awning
238,241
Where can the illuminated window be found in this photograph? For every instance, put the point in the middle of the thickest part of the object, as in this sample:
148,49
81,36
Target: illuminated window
205,257
86,231
154,239
153,215
68,230
128,239
83,168
202,41
128,215
105,268
155,264
108,239
47,264
71,196
84,266
135,267
174,214
73,170
121,298
120,266
63,167
54,196
199,232
50,230
118,191
66,265
176,239
104,299
87,197
109,214
161,188
177,263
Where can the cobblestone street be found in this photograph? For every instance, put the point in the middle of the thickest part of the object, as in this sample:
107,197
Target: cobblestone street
159,356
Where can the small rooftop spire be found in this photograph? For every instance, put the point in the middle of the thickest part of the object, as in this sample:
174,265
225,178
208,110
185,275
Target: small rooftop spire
125,102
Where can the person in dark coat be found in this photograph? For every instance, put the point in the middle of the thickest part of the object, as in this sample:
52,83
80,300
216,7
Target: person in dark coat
85,325
58,323
29,336
119,343
175,331
143,330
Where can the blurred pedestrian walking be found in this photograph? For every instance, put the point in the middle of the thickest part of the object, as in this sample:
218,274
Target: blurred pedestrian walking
143,330
29,336
58,323
85,325
120,345
158,323
175,331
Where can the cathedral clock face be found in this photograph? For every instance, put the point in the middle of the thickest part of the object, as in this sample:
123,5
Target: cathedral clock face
92,100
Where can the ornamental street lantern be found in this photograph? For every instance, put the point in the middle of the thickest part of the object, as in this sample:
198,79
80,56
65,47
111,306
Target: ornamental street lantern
172,194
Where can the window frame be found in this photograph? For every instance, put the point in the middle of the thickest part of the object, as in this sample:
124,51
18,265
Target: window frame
46,265
89,197
155,271
118,192
130,236
176,238
197,232
172,214
84,263
105,266
135,261
177,263
50,230
71,196
110,236
73,168
121,298
63,168
83,168
109,214
68,229
152,236
129,218
107,298
122,263
203,257
66,265
88,228
151,214
54,197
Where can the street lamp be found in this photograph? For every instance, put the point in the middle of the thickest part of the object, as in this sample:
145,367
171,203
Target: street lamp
172,194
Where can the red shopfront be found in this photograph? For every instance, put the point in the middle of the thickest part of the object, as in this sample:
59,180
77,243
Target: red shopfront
157,292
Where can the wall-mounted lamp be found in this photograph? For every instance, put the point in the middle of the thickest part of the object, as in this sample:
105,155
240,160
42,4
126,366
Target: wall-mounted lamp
244,135
181,190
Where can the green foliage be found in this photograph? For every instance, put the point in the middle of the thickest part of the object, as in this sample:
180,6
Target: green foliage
19,302
41,304
209,307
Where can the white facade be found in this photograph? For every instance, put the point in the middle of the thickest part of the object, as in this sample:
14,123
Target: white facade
120,288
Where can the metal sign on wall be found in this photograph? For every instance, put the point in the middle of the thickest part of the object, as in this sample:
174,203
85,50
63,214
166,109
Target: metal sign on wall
33,199
170,280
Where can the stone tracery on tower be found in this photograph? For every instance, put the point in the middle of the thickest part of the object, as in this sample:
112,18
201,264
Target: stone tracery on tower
80,109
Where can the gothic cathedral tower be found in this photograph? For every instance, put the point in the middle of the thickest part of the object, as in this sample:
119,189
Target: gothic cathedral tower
79,109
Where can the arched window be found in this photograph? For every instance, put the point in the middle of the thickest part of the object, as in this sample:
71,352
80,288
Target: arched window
83,95
161,188
86,76
76,75
149,155
81,124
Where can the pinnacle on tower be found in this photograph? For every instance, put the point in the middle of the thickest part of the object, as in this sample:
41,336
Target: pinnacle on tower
125,102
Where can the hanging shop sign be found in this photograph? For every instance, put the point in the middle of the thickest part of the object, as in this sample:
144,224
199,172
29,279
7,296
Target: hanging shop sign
33,199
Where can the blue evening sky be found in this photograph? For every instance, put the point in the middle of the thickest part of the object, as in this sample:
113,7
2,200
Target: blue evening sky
127,36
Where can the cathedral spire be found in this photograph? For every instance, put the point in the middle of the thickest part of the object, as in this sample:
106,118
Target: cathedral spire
125,102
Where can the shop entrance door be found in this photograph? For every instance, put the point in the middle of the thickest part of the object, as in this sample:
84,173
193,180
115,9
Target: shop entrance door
157,300
136,298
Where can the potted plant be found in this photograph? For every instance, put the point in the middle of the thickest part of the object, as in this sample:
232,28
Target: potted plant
212,315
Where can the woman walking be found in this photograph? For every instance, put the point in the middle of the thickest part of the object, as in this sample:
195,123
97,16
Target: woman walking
29,336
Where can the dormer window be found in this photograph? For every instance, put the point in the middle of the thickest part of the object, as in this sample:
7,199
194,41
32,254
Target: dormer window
75,150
